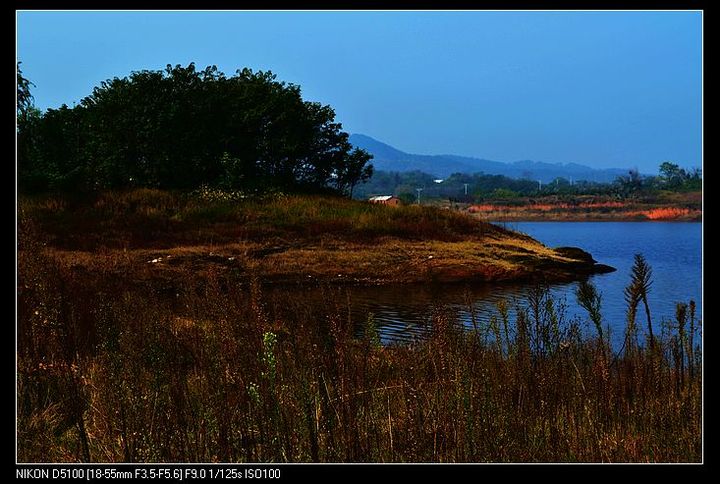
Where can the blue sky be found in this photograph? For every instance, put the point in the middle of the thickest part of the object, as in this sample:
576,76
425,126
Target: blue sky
606,89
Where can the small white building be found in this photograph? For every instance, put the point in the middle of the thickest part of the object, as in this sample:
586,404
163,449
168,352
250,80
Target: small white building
385,200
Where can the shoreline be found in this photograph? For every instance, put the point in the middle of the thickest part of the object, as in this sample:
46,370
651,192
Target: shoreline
390,262
674,207
591,219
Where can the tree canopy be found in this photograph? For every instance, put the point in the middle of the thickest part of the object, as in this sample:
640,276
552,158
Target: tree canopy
24,98
182,128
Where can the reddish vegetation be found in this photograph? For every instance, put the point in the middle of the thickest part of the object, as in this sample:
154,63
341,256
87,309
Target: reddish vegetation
544,207
665,213
676,206
483,208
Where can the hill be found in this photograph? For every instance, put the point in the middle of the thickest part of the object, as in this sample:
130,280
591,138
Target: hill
389,158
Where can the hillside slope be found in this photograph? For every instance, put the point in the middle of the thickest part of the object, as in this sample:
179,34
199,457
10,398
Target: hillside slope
388,158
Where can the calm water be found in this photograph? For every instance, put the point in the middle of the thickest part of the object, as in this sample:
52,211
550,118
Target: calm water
673,249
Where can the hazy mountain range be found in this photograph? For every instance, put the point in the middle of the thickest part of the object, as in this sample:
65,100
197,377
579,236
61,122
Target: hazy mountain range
388,158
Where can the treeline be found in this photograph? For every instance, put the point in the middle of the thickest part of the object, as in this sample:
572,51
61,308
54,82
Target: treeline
183,128
481,186
670,177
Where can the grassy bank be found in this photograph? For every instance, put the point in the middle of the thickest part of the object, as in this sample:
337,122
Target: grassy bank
150,234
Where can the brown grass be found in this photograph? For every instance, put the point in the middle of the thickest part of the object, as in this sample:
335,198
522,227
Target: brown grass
146,218
149,234
220,373
118,365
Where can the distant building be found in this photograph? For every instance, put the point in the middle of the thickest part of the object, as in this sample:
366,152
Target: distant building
439,180
385,200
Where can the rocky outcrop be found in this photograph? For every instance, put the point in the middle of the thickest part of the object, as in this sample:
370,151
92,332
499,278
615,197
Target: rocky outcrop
582,262
575,253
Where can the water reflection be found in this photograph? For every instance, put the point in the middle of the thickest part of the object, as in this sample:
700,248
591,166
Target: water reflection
403,313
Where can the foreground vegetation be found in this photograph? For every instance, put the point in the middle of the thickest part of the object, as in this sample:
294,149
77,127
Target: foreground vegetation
118,362
215,372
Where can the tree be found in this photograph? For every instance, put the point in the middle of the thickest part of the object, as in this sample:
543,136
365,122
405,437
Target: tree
354,171
407,197
24,97
672,175
694,180
30,170
631,183
181,128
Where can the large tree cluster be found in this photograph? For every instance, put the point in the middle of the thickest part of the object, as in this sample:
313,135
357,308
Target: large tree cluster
182,128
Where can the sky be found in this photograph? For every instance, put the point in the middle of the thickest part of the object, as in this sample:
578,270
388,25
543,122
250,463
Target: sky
605,89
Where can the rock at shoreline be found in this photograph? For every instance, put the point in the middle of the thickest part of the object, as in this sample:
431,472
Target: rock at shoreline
586,263
603,268
575,253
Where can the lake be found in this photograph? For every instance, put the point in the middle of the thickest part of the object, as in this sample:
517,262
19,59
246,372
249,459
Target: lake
673,250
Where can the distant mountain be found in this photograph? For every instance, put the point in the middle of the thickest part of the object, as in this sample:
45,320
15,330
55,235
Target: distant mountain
388,158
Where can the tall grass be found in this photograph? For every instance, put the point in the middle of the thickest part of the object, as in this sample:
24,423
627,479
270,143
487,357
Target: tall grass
147,218
209,371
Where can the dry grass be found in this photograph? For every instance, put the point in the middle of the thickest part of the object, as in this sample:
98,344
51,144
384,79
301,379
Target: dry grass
124,359
146,218
216,372
388,260
149,234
